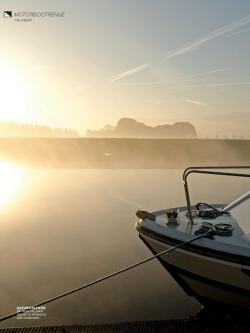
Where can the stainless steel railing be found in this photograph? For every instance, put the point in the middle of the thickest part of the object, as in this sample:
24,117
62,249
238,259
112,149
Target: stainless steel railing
205,170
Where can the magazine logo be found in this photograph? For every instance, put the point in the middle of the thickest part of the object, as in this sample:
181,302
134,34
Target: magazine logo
29,16
7,13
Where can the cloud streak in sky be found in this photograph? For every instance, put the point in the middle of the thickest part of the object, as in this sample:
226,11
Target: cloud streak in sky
228,29
207,73
239,32
127,73
195,84
141,83
189,78
192,101
190,46
223,84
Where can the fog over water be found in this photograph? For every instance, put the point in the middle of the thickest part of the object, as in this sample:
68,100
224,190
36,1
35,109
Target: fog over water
67,227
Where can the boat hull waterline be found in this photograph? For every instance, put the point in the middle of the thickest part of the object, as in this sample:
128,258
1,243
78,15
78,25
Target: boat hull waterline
207,279
216,267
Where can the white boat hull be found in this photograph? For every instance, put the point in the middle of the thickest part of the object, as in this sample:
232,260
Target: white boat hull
207,278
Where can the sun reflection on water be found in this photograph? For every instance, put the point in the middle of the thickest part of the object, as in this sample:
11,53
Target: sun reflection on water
11,179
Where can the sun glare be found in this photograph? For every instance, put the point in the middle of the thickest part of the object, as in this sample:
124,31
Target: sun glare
13,96
11,178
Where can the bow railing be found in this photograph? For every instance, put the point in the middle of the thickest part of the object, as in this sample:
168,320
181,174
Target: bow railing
209,170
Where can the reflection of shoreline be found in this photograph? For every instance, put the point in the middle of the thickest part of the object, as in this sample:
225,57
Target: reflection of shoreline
123,153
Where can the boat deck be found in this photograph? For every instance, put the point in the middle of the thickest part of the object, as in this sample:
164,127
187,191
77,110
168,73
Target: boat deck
191,325
183,226
236,244
164,326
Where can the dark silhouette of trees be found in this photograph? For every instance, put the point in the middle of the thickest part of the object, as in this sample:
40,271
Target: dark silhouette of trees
13,129
131,128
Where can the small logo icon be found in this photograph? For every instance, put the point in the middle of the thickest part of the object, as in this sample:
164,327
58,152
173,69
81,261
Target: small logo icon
7,13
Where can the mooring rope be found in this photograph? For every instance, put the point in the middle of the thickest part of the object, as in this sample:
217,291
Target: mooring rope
106,277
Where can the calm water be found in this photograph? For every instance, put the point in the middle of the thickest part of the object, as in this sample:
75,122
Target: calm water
62,228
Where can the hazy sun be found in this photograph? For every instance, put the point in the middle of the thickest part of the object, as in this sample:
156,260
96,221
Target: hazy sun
13,96
11,178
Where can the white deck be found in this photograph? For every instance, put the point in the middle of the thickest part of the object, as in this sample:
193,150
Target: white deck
238,243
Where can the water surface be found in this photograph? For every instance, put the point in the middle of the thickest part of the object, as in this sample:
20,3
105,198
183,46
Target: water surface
62,228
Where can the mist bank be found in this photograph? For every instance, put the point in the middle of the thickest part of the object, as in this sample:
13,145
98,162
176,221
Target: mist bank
123,153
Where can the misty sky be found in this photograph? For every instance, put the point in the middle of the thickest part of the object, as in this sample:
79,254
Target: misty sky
156,61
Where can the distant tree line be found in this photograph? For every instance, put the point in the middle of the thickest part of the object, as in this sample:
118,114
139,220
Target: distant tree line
130,128
13,129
